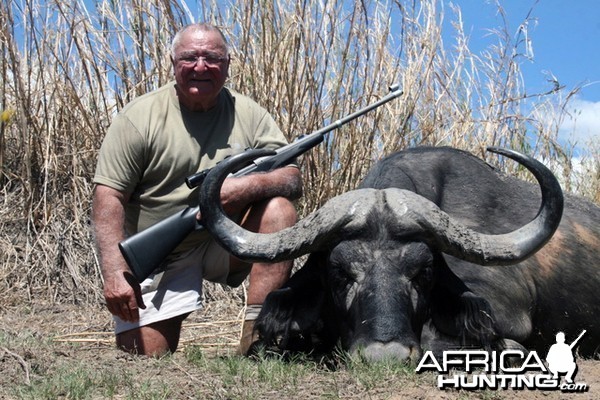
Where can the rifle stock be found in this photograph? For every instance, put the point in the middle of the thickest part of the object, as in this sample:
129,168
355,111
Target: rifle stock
145,251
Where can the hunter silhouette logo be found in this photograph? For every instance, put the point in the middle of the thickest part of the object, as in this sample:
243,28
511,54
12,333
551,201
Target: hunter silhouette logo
509,369
560,357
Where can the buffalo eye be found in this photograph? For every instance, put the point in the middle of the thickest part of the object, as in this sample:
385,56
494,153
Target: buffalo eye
418,263
424,279
345,263
344,276
341,273
416,260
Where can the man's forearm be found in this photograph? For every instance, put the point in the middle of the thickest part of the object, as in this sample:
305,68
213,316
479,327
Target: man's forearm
281,182
238,193
108,216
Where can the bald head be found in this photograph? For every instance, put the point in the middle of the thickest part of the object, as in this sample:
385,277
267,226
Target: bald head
198,27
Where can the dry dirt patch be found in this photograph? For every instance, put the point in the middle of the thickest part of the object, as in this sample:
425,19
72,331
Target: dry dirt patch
40,342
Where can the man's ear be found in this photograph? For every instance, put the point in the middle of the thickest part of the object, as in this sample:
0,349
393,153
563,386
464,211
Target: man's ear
228,65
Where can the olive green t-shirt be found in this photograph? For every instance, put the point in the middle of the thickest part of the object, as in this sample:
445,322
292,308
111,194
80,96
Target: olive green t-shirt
154,143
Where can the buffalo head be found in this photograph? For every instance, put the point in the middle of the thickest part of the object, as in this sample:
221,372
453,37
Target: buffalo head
374,255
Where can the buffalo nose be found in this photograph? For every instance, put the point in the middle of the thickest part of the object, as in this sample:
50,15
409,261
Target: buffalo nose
380,351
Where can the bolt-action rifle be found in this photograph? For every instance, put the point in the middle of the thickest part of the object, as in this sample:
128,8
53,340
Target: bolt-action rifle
146,250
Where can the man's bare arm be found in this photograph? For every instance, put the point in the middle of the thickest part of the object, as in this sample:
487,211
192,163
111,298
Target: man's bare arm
121,292
238,193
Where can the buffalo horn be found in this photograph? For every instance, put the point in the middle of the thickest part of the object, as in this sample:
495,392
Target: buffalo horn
410,217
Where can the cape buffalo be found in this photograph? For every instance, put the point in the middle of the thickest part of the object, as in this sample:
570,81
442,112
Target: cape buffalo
435,250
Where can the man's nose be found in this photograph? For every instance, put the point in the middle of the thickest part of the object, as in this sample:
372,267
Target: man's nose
200,64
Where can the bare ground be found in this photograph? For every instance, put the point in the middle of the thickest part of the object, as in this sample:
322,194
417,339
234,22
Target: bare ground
40,342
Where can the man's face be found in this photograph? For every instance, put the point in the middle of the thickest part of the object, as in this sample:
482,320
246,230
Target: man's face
201,67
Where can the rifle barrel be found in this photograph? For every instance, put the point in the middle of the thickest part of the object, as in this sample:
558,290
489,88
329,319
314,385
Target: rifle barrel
338,123
577,340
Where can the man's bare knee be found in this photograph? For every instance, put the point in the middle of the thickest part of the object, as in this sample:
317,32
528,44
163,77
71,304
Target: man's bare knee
142,341
273,215
155,340
270,215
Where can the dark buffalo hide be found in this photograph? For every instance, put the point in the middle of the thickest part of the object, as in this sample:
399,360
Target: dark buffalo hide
387,289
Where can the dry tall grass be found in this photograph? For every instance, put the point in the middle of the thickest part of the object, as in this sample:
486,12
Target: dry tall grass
66,69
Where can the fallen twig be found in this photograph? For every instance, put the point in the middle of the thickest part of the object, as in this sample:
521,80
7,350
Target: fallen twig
21,361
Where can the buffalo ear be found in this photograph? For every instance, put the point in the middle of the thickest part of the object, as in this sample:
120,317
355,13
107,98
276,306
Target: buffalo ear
291,316
458,312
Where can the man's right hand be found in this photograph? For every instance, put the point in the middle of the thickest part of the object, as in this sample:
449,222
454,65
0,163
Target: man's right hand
123,296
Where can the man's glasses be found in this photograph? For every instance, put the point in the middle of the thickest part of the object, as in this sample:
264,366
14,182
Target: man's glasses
192,60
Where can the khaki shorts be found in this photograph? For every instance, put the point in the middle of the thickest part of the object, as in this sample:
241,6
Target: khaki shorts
177,289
